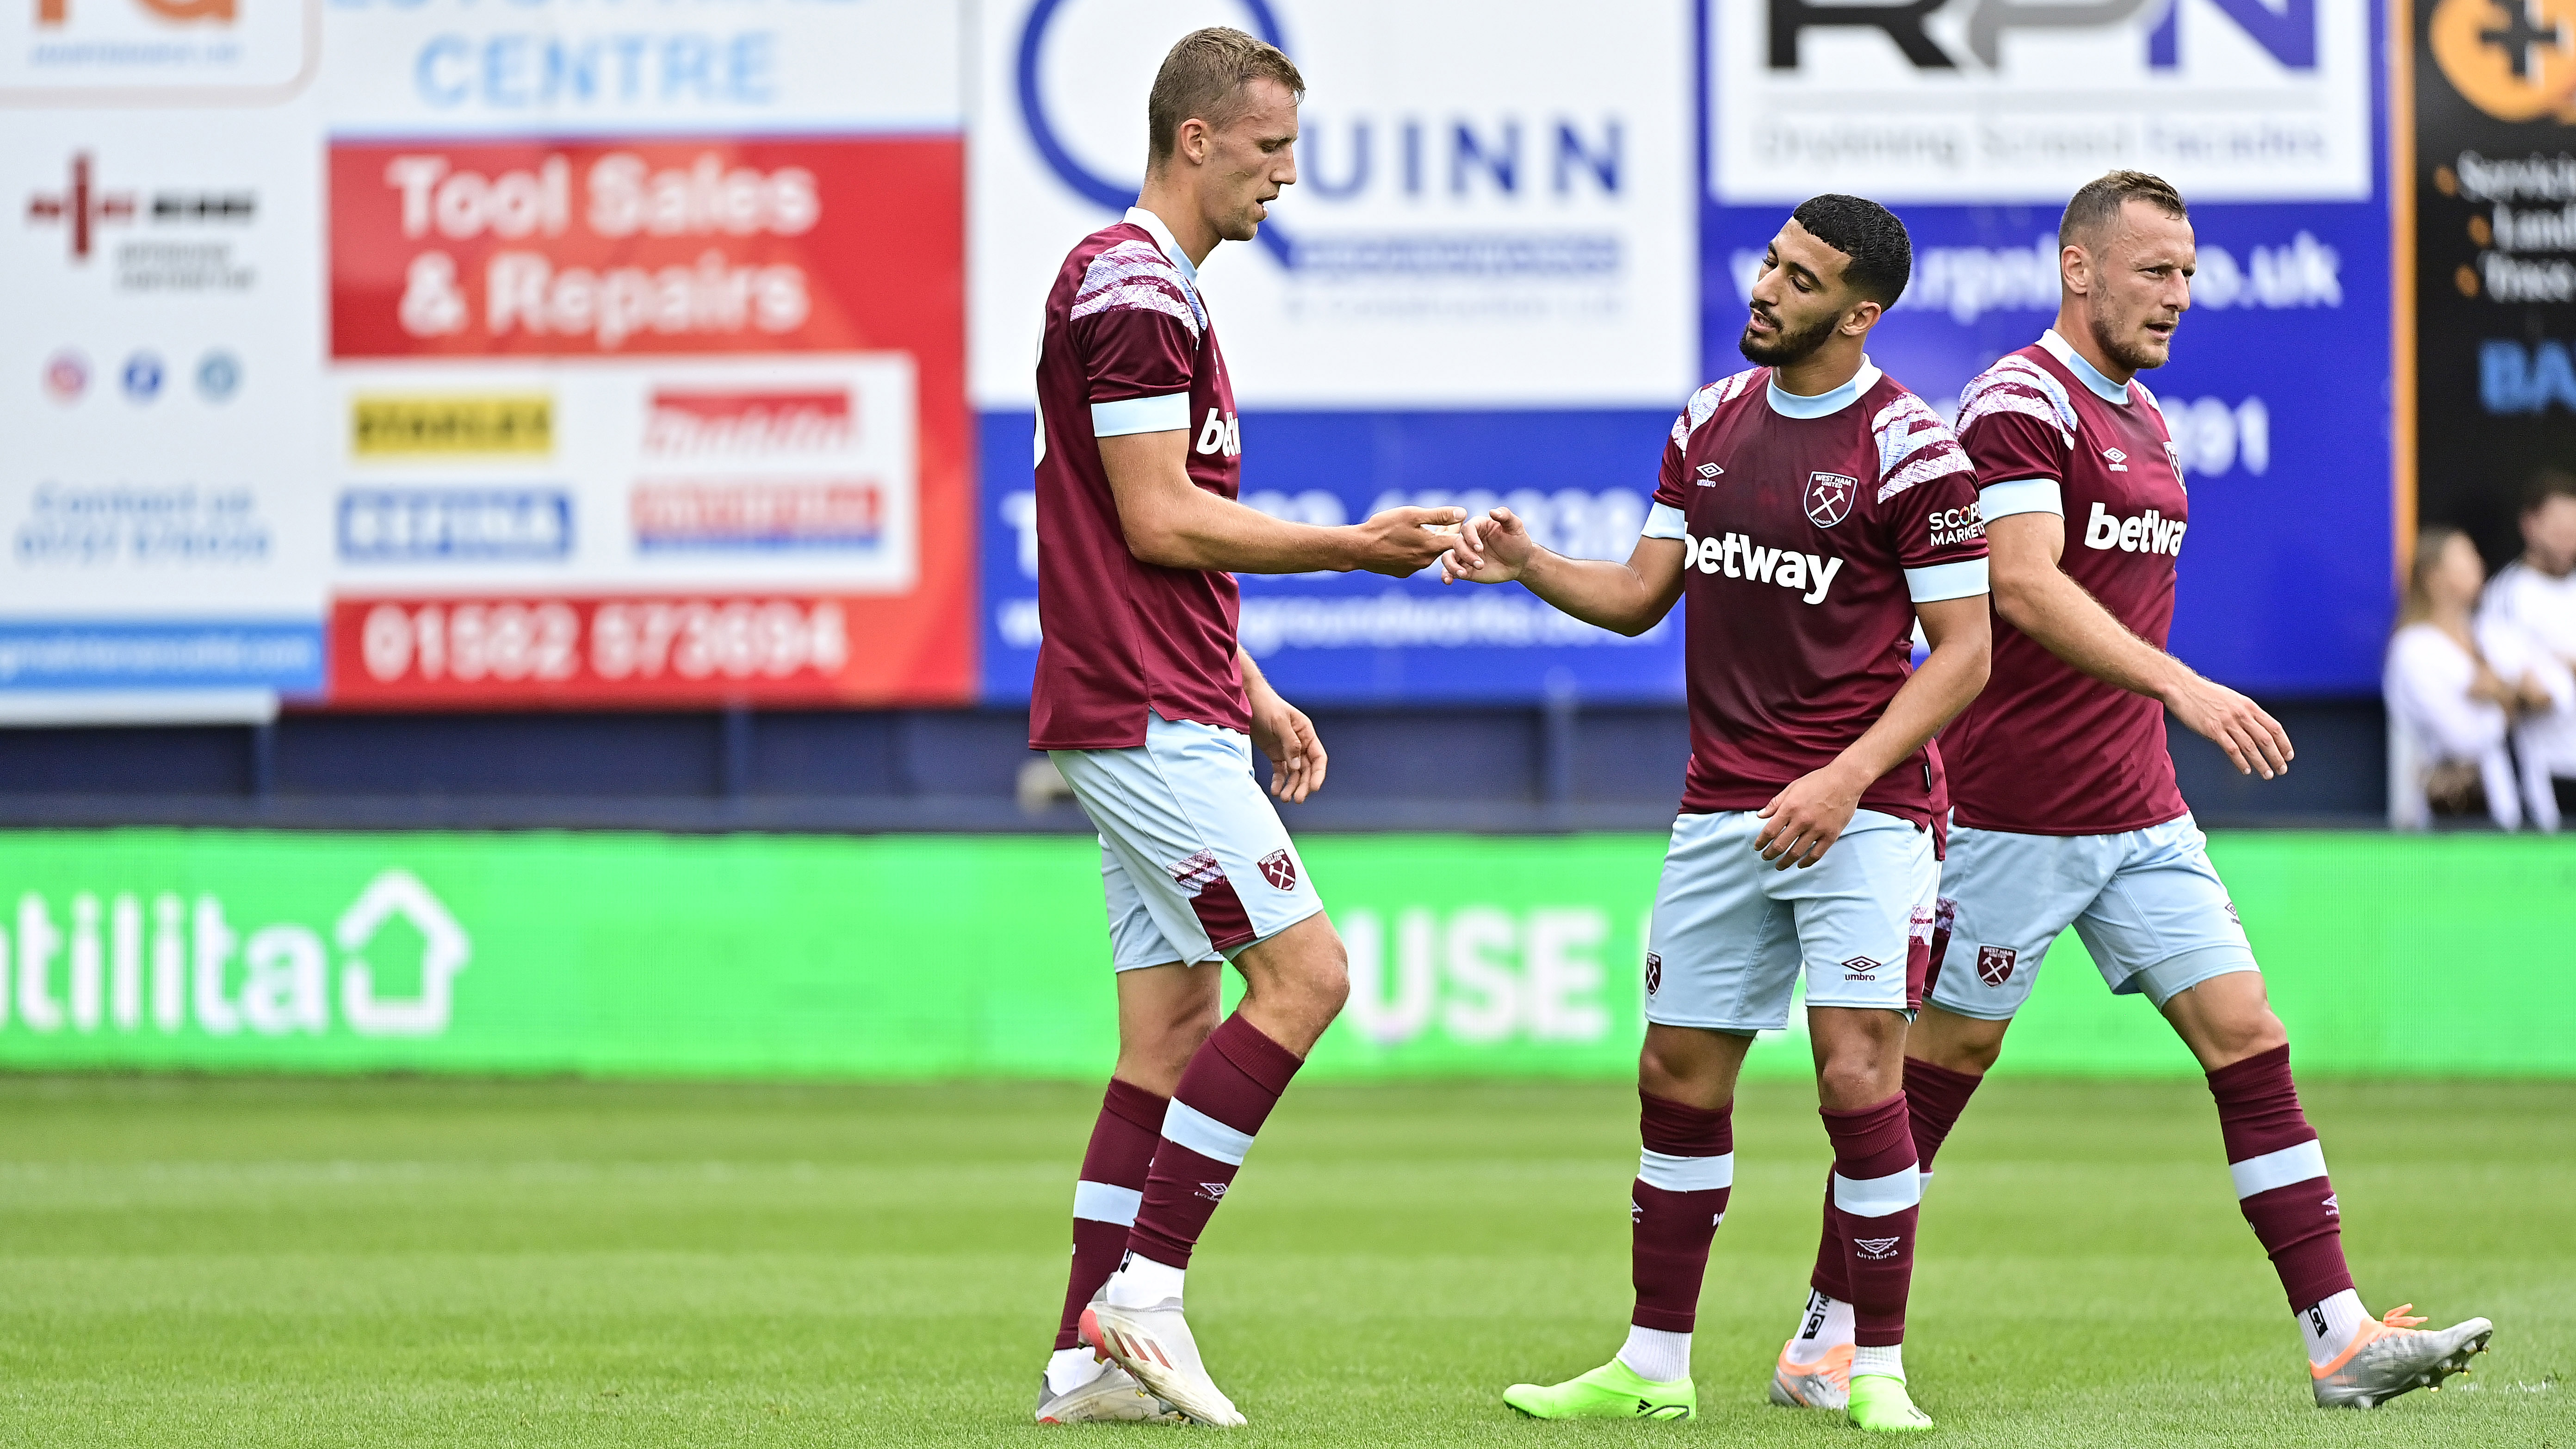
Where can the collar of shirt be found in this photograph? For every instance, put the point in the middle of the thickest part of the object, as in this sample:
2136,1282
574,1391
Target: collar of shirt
1824,404
2085,372
1162,235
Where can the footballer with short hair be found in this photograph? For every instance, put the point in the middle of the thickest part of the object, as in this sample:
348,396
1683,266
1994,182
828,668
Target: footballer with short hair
2064,806
1150,708
1809,513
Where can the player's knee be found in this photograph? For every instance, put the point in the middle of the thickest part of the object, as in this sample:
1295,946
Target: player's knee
1859,1073
1973,1052
1326,978
1679,1066
2252,1035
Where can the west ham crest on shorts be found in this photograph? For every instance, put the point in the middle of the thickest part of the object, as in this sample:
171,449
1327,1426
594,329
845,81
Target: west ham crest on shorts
1654,973
1995,964
1280,869
1829,498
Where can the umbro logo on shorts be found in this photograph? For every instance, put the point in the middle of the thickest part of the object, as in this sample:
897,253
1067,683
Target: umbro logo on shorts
1654,973
1859,968
1995,964
1877,1249
1280,869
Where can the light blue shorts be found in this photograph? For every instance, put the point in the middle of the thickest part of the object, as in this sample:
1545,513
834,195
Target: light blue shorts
1194,863
1732,932
2147,904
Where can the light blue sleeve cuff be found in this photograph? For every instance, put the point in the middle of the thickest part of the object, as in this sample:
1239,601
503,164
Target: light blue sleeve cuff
1961,580
1169,413
1666,521
2026,495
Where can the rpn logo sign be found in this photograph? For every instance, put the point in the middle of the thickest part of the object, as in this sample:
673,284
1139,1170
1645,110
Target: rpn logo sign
2000,101
2289,33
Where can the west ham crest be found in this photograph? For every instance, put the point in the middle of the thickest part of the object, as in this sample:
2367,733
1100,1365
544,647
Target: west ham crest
1995,964
1280,869
1829,498
1654,973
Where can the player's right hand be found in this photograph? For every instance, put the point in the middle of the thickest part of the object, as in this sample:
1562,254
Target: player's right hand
1402,542
1491,550
2254,741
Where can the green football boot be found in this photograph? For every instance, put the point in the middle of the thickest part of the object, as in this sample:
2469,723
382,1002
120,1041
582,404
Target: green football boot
1880,1405
1612,1391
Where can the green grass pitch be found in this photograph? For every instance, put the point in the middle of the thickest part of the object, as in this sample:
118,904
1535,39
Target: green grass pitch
371,1263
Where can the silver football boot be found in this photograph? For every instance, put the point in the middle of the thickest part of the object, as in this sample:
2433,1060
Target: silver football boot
2392,1356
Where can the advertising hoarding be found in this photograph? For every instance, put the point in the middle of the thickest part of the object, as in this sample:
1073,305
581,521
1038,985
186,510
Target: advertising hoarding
2494,265
1481,288
1976,121
517,316
766,956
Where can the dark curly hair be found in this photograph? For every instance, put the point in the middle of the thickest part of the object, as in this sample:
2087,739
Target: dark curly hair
1882,255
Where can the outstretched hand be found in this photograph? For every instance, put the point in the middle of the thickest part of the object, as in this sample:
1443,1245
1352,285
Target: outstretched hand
1402,542
1489,550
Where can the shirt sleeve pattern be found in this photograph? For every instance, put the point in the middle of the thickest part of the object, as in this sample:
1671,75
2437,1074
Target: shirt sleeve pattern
1913,446
2018,385
1703,405
1136,328
1136,274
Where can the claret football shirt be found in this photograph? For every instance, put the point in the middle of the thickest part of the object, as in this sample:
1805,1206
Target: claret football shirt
1811,526
1128,348
2046,749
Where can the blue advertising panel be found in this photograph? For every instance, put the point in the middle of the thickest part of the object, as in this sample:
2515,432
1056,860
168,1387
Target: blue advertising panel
2265,116
1583,479
1482,290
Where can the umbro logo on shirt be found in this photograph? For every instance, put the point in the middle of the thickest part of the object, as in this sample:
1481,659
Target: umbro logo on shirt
1708,474
2119,461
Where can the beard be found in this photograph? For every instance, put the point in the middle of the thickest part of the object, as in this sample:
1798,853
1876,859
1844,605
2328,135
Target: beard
2129,349
1786,348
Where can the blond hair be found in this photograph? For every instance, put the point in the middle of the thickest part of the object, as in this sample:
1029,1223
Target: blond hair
2430,541
2097,203
1204,76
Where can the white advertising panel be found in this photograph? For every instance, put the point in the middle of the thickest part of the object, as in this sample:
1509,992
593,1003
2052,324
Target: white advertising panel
2003,100
475,311
1492,212
767,471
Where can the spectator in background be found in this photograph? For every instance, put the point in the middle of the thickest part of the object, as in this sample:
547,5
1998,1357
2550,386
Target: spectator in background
2457,688
2537,594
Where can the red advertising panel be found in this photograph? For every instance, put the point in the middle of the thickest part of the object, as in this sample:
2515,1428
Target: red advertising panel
631,650
738,370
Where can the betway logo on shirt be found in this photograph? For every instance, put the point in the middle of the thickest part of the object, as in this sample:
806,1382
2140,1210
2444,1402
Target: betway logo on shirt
2148,532
1738,557
1221,433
